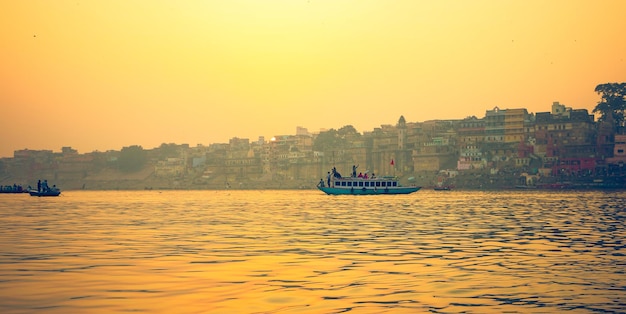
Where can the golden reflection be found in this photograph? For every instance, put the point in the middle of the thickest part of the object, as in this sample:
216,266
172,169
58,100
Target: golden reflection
303,252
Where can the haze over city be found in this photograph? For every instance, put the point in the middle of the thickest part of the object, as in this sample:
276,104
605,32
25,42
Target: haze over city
101,75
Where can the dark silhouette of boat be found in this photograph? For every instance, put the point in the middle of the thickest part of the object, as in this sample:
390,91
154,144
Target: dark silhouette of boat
48,192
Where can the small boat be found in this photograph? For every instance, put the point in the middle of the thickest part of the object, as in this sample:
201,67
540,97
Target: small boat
441,184
48,192
363,186
12,190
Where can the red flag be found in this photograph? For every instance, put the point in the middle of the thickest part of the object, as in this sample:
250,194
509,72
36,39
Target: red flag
392,162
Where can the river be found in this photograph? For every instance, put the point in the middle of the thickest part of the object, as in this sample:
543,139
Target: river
301,251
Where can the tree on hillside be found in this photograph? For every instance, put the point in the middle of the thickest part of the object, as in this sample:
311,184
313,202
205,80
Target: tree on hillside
348,131
327,140
612,103
132,158
168,150
335,139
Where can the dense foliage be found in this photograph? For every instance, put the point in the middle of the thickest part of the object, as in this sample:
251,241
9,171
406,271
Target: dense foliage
612,103
335,139
132,158
168,151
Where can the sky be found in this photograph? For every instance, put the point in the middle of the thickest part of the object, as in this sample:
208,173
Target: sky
103,75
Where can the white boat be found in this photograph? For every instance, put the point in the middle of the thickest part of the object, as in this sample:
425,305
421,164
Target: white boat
362,186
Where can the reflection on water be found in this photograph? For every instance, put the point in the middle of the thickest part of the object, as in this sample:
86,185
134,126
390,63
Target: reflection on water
305,252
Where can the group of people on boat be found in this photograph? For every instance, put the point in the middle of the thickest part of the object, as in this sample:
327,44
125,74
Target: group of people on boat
42,186
334,174
15,188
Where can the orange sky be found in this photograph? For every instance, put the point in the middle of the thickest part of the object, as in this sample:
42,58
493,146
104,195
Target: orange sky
101,75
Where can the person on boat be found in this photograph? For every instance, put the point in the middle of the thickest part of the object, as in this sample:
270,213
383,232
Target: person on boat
335,173
354,170
39,186
328,178
365,176
321,183
44,186
360,175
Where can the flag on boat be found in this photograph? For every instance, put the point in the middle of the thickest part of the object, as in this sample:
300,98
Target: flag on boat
392,163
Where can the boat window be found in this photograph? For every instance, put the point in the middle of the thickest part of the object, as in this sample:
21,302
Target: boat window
384,183
377,183
394,183
361,183
349,183
367,184
343,183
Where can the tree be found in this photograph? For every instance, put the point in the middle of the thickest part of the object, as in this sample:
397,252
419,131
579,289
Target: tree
327,140
132,158
335,139
612,103
168,150
348,131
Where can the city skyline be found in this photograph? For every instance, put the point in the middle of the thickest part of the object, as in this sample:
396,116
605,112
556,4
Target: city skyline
298,129
100,76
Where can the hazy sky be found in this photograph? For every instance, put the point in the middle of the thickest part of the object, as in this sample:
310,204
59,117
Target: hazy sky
101,75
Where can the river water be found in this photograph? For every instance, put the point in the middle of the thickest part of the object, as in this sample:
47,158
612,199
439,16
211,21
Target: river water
306,252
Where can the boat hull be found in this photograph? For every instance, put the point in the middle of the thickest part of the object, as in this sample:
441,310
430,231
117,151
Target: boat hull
369,191
48,193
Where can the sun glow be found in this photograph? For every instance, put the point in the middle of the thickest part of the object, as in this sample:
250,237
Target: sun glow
206,71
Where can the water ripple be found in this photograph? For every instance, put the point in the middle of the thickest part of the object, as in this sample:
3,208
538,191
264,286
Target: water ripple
305,252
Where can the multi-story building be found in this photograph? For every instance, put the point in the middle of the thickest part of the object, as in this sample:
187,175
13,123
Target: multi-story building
384,149
470,136
494,126
564,127
565,138
505,125
437,148
514,122
617,163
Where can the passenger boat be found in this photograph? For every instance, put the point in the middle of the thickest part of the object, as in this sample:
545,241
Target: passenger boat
362,186
48,192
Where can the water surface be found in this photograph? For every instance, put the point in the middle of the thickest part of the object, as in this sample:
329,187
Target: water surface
306,252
